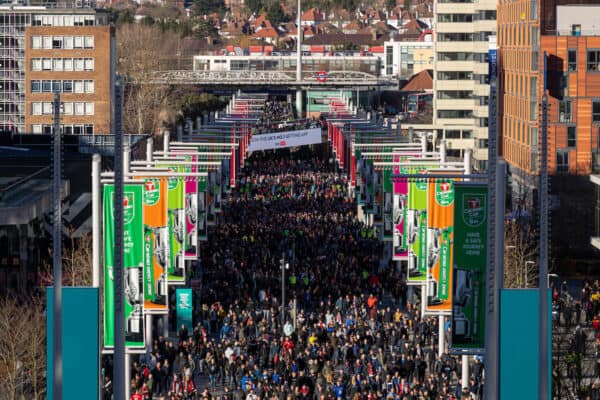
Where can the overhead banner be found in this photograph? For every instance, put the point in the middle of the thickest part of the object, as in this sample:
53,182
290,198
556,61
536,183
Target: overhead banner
177,232
279,140
416,228
400,199
156,245
440,216
133,264
211,214
469,268
183,297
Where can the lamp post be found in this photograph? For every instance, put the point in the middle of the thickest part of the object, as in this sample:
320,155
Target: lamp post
283,265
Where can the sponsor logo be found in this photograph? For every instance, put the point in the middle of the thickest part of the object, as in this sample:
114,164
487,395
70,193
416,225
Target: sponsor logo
128,210
151,191
474,209
444,193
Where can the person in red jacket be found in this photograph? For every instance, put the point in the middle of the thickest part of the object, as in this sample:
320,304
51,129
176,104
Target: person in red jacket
176,389
189,390
137,396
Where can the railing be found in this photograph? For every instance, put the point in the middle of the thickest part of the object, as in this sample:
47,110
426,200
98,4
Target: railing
265,77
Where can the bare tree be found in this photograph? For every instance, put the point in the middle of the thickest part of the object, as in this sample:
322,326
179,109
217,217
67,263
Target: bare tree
141,51
520,255
76,262
22,349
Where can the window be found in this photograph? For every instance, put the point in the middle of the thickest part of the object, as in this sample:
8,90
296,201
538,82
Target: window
36,42
534,60
576,29
572,60
88,129
36,64
78,64
46,64
571,136
455,114
89,64
593,60
533,110
68,64
78,42
89,86
36,86
47,42
68,42
77,86
68,86
562,161
452,134
89,42
68,108
564,111
79,108
455,75
454,94
37,129
77,129
57,42
56,86
57,64
89,108
78,20
36,108
46,108
456,56
596,111
46,86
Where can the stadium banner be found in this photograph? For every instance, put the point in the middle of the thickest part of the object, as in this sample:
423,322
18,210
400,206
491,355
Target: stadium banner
184,308
469,268
440,232
133,264
177,236
399,205
416,228
156,245
202,226
279,140
191,211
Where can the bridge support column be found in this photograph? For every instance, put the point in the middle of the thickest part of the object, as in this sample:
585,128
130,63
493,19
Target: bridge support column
299,104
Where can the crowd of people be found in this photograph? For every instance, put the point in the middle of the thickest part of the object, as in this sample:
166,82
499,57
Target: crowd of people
348,328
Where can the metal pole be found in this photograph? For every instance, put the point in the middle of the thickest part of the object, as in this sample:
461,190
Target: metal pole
57,251
494,270
441,342
442,153
149,149
127,375
544,237
119,325
465,372
424,143
468,165
126,158
96,166
299,45
423,300
179,133
166,141
149,338
282,290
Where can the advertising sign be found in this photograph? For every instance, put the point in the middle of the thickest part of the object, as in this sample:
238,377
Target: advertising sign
440,233
133,264
416,228
184,308
400,199
176,214
191,211
470,257
280,140
156,245
211,214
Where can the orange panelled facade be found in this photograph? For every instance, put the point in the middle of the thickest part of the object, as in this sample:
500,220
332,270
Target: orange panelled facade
573,87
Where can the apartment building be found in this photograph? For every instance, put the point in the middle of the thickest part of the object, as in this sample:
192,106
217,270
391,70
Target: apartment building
54,49
460,83
407,58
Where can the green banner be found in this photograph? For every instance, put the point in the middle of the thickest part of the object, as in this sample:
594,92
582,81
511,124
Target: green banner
176,215
416,227
470,258
184,308
133,264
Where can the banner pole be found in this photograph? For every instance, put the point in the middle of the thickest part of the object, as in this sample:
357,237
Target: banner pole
149,148
441,322
465,371
96,161
57,251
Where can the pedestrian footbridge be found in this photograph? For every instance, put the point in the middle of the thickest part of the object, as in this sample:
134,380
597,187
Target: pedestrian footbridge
342,79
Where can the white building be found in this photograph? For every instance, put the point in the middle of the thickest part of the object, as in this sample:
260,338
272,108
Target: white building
461,42
404,59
